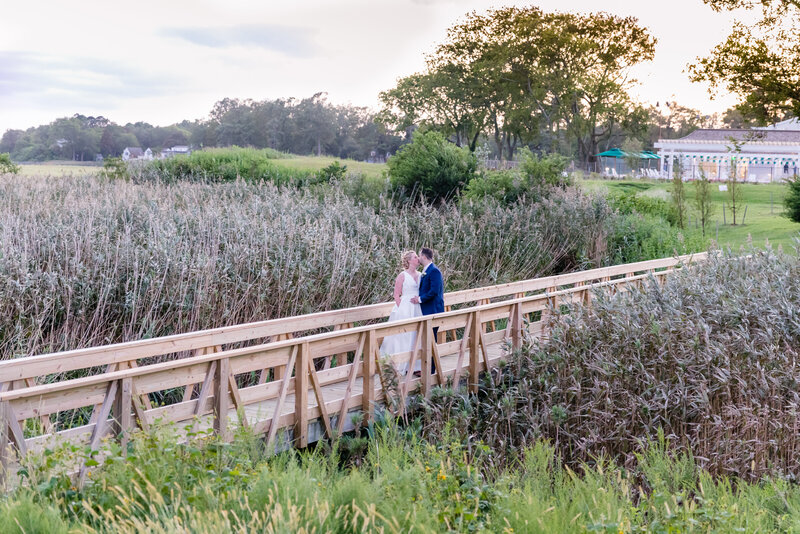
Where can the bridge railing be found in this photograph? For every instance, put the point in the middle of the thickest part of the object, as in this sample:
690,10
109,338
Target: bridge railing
280,384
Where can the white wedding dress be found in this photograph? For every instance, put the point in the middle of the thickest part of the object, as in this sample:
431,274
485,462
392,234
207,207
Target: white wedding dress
400,343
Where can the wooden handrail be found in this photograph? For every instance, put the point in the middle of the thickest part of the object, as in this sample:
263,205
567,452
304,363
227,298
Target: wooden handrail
59,362
404,325
122,393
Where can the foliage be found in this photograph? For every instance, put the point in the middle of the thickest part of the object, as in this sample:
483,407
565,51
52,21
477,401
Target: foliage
707,357
791,201
293,125
629,202
534,178
115,169
520,74
758,62
432,167
220,165
334,171
702,200
638,237
7,166
505,186
678,194
548,170
407,482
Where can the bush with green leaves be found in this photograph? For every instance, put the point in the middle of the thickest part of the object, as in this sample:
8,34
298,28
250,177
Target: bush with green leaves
630,202
548,170
533,180
791,201
219,165
432,167
115,169
7,166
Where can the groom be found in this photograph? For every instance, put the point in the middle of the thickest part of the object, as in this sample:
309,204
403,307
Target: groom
431,289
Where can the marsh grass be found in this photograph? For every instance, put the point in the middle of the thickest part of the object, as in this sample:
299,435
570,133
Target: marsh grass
86,262
710,359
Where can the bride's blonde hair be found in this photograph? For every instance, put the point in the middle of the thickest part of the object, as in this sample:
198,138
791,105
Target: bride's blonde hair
405,258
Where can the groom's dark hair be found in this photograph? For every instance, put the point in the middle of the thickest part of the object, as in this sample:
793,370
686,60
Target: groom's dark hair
428,253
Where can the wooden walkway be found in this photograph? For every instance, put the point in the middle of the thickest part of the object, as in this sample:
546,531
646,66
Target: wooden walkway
295,380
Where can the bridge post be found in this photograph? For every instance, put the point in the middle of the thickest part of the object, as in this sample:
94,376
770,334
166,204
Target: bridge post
6,453
222,402
368,377
474,350
123,404
516,326
301,396
426,356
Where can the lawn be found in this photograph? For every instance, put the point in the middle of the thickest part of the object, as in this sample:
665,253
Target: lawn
59,168
763,218
315,163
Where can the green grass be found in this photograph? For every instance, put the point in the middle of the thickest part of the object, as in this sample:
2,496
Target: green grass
763,221
59,168
315,163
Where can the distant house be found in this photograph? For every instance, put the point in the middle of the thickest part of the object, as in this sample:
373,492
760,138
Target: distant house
132,152
148,155
174,151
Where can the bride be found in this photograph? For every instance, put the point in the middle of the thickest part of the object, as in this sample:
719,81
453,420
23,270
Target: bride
406,286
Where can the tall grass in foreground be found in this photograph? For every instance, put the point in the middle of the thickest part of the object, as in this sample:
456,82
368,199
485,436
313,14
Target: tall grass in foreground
86,262
712,358
402,484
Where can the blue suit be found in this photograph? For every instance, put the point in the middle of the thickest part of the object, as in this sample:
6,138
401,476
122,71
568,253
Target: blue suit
431,291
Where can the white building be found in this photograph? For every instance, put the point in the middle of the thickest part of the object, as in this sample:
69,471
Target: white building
175,151
132,152
758,155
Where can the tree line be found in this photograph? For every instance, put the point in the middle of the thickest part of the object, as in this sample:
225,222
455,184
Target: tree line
299,126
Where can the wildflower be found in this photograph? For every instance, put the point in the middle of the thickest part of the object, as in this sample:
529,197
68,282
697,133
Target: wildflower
442,476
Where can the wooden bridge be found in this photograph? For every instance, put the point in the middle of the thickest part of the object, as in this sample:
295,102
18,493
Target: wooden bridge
306,376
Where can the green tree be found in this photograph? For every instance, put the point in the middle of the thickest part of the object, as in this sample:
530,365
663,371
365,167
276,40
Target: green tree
521,75
432,166
758,62
7,166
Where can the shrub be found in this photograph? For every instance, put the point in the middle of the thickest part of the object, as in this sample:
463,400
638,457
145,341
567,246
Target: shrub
432,167
7,166
114,169
503,186
219,165
534,179
629,202
548,170
792,199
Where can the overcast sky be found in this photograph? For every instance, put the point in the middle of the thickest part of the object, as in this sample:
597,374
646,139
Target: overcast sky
162,62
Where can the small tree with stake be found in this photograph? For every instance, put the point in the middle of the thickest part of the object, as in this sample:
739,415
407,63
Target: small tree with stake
702,200
678,192
734,186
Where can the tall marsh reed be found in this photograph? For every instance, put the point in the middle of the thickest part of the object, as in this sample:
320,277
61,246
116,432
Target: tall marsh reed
85,262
